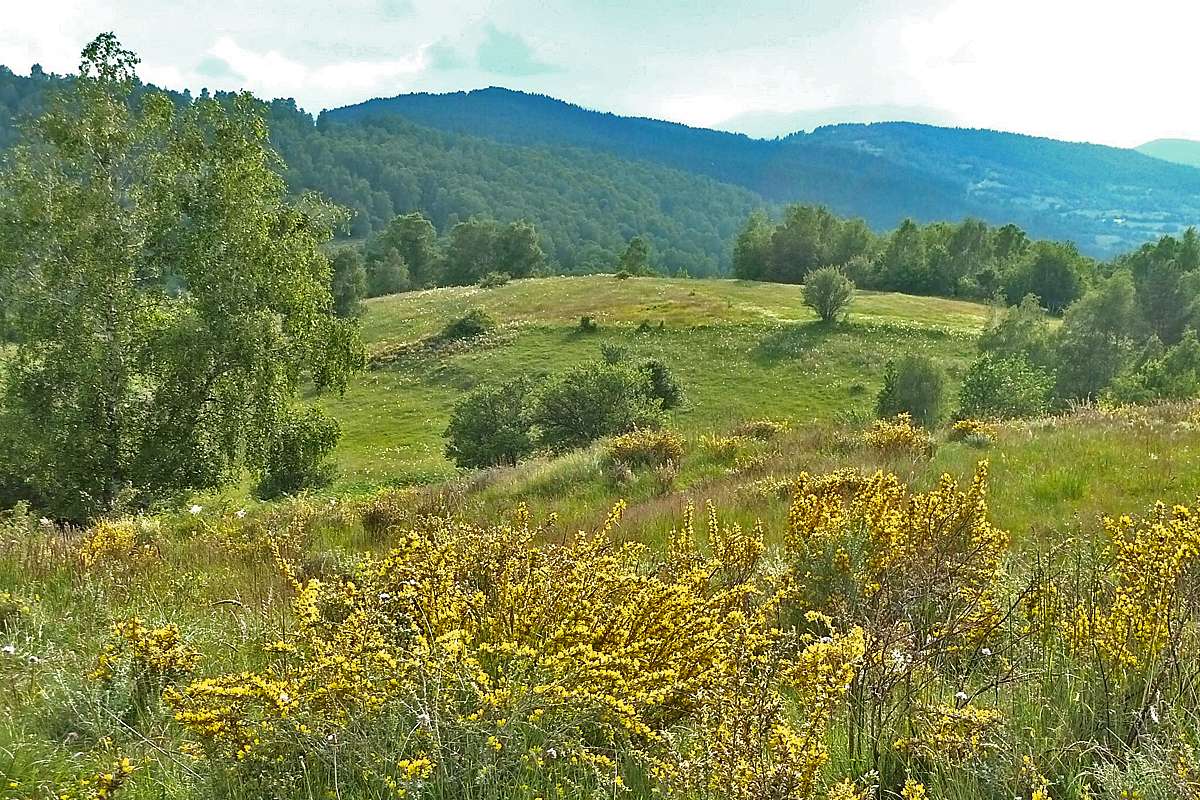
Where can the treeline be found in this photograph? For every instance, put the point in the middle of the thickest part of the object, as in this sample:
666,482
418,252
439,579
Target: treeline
1130,338
970,259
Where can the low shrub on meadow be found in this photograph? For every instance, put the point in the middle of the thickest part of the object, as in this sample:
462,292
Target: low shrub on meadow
642,448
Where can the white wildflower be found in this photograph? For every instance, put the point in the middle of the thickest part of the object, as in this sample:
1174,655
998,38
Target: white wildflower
196,509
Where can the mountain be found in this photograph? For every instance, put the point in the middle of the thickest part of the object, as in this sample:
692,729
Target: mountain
1178,151
586,204
590,181
1106,199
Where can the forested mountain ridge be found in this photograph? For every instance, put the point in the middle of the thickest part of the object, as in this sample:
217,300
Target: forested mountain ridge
1106,199
590,181
585,204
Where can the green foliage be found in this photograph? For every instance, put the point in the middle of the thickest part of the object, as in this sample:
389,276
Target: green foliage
635,261
494,279
592,401
752,249
480,246
491,426
387,273
408,241
661,384
1098,336
913,385
1052,271
298,456
828,292
1022,331
1173,374
199,294
1002,387
475,323
349,282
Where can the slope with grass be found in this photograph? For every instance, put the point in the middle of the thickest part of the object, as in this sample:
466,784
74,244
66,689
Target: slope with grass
740,349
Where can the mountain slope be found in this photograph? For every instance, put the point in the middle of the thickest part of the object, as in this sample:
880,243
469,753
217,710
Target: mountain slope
586,204
1178,151
1107,199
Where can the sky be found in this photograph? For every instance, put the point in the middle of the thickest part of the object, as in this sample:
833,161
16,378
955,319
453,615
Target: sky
1110,72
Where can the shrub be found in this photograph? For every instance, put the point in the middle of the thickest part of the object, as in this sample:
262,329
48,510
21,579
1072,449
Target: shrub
642,448
485,658
721,448
473,324
898,435
587,325
973,431
1004,387
491,426
914,385
762,429
828,292
493,279
661,384
613,353
298,455
592,401
623,275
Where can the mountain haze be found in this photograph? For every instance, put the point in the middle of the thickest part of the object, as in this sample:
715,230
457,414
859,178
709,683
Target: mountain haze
1179,151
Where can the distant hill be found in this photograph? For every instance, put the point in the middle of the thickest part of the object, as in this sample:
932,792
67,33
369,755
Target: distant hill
1106,199
1178,151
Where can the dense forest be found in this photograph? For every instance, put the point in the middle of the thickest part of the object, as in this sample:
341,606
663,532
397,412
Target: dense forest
1106,199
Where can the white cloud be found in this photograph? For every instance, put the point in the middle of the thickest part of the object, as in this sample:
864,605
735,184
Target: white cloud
40,33
273,74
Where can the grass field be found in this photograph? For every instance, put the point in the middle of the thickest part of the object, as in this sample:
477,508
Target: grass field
247,651
740,349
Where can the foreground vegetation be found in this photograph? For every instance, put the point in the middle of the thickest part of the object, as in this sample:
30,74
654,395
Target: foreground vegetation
985,637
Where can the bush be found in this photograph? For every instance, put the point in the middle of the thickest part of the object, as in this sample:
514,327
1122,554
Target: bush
587,325
298,456
592,401
641,448
973,431
1004,387
914,385
661,384
493,279
613,353
491,426
828,292
761,429
898,435
473,324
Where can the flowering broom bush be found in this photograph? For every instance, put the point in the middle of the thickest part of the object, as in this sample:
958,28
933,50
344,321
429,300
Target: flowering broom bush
471,655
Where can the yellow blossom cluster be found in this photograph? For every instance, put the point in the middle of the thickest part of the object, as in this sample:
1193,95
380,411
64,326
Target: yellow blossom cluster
157,656
973,428
899,552
899,435
120,543
490,633
1148,561
950,733
646,447
101,786
761,429
721,448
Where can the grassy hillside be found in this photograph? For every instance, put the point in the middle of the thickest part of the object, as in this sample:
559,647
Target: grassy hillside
740,349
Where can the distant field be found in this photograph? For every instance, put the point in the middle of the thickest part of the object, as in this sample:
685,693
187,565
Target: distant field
740,349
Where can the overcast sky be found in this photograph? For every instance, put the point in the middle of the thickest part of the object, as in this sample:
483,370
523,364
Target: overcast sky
1093,70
